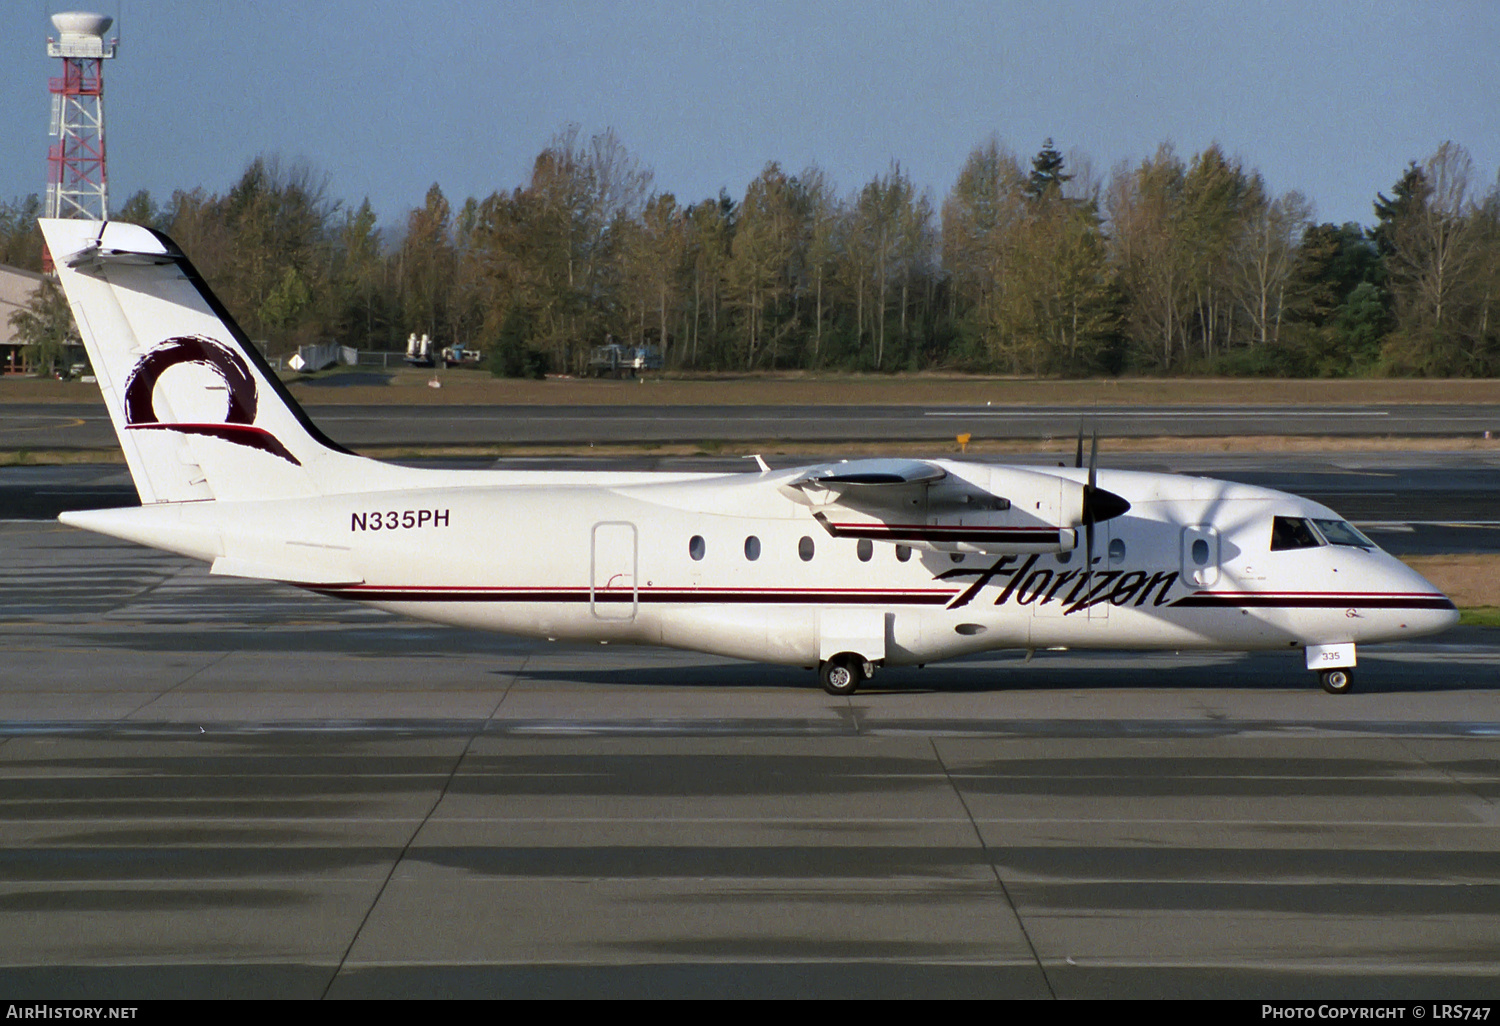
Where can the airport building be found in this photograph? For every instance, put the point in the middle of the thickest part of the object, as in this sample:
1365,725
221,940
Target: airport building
16,288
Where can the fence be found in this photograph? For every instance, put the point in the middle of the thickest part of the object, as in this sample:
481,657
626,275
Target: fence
332,353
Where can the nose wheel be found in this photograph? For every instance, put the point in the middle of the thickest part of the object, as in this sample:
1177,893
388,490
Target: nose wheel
1337,681
1334,665
843,674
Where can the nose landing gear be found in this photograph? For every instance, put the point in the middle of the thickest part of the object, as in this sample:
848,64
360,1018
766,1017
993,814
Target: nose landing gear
1338,681
1334,665
843,674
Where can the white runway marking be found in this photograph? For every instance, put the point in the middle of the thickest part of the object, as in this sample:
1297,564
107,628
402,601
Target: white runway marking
1122,413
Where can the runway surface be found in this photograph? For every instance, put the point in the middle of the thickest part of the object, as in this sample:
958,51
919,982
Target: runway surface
220,787
86,425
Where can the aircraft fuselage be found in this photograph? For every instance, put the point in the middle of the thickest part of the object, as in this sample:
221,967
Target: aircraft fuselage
730,565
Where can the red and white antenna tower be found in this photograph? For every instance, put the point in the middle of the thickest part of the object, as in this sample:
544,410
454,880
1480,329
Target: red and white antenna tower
77,185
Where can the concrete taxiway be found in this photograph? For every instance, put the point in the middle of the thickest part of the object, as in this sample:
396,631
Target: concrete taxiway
33,425
212,787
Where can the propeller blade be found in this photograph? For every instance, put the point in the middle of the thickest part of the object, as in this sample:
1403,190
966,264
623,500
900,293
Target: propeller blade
1088,513
1088,558
1098,504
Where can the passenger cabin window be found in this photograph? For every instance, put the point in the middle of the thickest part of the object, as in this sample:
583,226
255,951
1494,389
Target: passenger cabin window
696,548
903,553
1117,551
1292,533
865,549
752,548
1200,551
1339,532
805,549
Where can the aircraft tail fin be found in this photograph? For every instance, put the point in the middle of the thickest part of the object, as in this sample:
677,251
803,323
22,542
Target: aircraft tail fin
198,411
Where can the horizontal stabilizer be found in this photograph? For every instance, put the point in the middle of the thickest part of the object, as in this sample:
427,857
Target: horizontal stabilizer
128,244
168,526
96,256
200,530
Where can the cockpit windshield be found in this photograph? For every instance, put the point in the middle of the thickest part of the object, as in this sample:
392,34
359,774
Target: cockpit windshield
1292,533
1340,532
1300,533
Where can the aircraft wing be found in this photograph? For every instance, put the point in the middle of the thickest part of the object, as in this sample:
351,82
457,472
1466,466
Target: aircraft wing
878,483
919,504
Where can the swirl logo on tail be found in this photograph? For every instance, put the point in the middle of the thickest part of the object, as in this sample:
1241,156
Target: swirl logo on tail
238,425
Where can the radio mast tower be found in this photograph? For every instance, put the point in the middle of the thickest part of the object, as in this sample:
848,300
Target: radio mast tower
77,185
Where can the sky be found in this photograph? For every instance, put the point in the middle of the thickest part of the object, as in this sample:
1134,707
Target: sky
384,98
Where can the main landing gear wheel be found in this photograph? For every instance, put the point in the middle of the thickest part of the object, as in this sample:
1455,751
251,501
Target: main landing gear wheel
842,674
1337,681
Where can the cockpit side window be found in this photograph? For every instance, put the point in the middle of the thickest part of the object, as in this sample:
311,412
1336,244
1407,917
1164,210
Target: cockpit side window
1292,533
1340,532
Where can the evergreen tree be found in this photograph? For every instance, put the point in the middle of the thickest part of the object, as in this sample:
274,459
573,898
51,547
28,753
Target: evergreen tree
1046,178
1407,198
140,209
511,354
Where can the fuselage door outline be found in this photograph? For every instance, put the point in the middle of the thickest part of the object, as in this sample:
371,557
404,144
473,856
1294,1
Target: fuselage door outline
612,571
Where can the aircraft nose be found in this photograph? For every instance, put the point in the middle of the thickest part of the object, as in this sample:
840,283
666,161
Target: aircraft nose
1426,616
1437,620
1420,623
1435,613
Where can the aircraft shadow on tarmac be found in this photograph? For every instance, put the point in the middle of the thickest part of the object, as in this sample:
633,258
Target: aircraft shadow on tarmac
1094,672
628,667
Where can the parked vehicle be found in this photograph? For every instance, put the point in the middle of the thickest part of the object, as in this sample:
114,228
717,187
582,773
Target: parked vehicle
458,355
617,361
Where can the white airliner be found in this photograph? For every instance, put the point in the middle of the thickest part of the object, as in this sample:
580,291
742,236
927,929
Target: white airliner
847,566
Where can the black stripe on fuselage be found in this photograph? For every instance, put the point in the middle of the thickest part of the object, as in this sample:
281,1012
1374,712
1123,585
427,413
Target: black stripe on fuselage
653,596
1205,600
938,533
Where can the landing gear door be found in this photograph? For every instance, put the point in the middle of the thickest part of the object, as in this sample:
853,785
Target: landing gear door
613,591
1200,556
